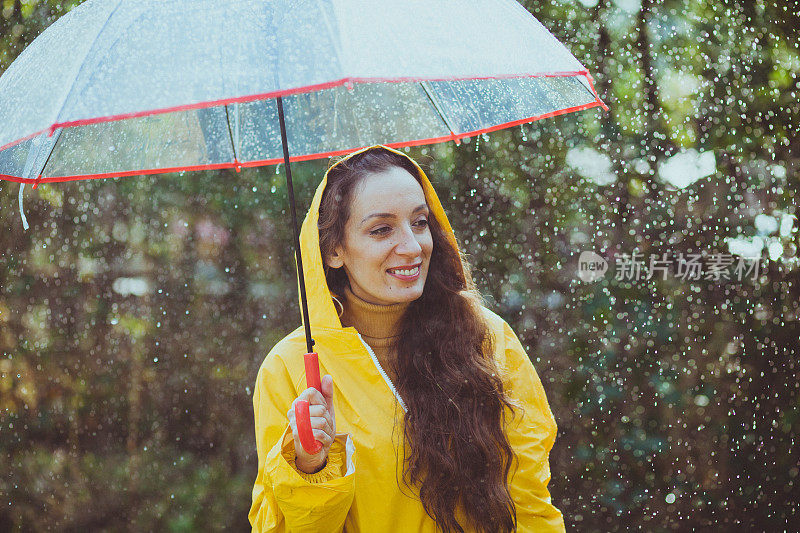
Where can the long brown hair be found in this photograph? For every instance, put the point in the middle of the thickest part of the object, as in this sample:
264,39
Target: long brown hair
458,453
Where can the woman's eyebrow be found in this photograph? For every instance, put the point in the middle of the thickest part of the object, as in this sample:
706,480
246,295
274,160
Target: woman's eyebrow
421,207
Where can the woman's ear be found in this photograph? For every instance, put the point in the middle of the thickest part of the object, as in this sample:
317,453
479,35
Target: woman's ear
334,260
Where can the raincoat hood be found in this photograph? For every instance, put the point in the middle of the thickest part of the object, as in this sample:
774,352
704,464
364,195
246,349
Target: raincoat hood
321,310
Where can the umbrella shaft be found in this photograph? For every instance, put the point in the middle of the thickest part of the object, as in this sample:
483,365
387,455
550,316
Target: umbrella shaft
298,255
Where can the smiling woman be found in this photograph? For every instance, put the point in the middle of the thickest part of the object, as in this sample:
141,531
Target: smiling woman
472,436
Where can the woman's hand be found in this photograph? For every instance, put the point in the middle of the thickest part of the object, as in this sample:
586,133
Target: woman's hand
323,425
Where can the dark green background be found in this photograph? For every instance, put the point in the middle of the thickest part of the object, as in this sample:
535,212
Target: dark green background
676,400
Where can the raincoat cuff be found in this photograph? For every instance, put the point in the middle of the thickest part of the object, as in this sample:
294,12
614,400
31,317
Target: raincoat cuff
332,470
340,459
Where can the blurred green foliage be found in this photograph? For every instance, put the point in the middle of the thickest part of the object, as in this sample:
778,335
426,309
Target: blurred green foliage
135,312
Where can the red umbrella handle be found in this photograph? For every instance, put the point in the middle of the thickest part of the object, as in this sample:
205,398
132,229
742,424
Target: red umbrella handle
301,414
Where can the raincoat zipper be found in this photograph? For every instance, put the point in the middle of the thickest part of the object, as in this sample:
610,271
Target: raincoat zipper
383,374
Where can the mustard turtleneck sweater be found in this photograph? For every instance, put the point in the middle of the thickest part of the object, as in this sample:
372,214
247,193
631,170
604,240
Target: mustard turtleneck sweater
377,324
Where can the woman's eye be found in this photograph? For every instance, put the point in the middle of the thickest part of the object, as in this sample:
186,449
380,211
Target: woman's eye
379,231
386,229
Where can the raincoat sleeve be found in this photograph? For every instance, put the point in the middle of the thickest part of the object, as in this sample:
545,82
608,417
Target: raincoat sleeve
531,434
284,498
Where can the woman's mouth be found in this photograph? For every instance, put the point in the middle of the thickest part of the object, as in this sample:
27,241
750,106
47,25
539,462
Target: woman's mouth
406,273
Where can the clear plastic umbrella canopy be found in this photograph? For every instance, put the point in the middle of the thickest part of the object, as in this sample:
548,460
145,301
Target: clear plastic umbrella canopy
125,87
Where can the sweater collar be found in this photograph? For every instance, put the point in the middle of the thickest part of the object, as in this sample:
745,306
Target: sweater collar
371,320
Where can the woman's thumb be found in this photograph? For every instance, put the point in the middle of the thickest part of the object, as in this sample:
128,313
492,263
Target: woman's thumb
327,385
327,389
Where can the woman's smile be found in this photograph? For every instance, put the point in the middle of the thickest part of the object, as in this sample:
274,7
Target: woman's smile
407,273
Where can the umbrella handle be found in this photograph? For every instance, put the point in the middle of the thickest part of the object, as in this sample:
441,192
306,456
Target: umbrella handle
301,414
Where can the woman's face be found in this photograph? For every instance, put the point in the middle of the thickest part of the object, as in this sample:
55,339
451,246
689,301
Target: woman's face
387,231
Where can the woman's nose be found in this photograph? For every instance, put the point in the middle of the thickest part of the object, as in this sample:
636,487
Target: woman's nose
408,245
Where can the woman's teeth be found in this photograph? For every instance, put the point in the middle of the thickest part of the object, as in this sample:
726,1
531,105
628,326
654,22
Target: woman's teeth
409,272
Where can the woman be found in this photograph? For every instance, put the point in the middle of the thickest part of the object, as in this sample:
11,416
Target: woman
431,416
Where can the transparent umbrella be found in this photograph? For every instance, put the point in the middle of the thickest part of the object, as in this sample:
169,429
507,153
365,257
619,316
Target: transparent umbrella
128,87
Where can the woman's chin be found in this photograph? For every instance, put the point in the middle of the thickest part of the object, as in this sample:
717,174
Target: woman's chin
408,293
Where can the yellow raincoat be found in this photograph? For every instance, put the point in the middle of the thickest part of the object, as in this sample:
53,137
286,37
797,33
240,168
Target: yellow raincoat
359,489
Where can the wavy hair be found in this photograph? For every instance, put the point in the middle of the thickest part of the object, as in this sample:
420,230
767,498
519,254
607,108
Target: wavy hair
457,453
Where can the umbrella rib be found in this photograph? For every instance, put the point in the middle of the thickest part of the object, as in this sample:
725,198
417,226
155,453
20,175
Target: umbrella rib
437,106
82,65
230,134
47,160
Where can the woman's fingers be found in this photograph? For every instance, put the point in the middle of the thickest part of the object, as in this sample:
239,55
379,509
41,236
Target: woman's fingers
319,426
315,410
323,436
321,423
317,400
320,418
327,392
313,397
